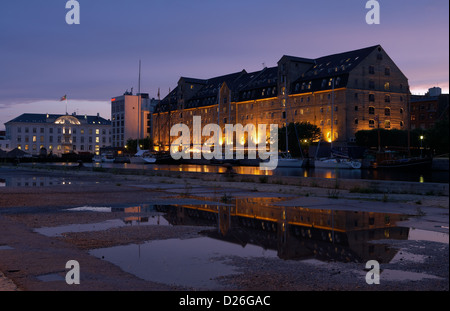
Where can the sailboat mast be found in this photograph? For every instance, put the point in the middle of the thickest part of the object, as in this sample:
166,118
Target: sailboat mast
139,107
332,113
285,113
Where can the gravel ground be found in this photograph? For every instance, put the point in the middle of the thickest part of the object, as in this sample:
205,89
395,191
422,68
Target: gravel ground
26,255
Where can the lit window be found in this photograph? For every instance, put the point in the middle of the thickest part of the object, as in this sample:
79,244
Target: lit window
371,123
387,124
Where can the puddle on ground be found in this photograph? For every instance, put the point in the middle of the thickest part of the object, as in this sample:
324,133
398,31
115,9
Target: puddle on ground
52,277
140,215
101,226
253,228
431,236
191,262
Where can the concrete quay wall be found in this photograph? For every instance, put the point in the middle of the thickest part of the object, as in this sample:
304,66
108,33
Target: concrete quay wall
357,185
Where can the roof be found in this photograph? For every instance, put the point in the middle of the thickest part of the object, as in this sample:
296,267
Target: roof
336,66
264,83
51,118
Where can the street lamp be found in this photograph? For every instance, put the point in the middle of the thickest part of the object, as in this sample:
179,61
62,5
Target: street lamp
421,145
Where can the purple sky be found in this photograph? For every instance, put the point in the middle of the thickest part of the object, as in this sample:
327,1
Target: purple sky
42,58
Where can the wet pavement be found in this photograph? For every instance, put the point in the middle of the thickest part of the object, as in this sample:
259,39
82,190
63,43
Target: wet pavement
175,234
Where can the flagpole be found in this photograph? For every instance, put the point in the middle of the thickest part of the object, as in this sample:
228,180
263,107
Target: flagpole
66,105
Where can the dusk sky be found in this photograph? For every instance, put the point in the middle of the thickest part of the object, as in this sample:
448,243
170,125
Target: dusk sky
43,58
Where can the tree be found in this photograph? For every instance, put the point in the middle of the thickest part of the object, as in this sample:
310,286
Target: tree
146,144
299,134
437,137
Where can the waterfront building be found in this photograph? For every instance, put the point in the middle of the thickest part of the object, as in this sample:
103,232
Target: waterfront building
58,134
427,109
131,117
341,93
5,144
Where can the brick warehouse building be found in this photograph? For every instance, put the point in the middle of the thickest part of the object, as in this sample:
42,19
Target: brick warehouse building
341,93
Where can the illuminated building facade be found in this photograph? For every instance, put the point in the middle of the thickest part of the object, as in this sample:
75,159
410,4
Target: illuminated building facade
341,93
59,134
131,117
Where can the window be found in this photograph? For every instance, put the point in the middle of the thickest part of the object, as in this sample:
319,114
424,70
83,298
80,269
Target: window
356,121
371,110
387,71
371,84
387,111
371,123
356,108
371,70
401,110
387,98
387,124
402,123
371,97
387,86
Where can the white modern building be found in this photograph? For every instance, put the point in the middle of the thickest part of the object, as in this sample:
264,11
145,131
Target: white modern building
131,117
58,134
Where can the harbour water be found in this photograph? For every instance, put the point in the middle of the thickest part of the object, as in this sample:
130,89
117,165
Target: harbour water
410,175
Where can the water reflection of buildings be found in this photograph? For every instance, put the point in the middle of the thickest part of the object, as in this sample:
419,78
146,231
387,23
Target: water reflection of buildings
35,181
152,216
296,232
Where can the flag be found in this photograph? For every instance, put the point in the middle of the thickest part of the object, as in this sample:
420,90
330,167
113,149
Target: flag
63,98
158,93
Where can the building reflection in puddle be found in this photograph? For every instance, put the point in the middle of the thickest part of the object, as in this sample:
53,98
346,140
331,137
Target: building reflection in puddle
139,215
294,232
35,181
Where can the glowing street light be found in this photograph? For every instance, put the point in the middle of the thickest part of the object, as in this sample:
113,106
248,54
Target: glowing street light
421,144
